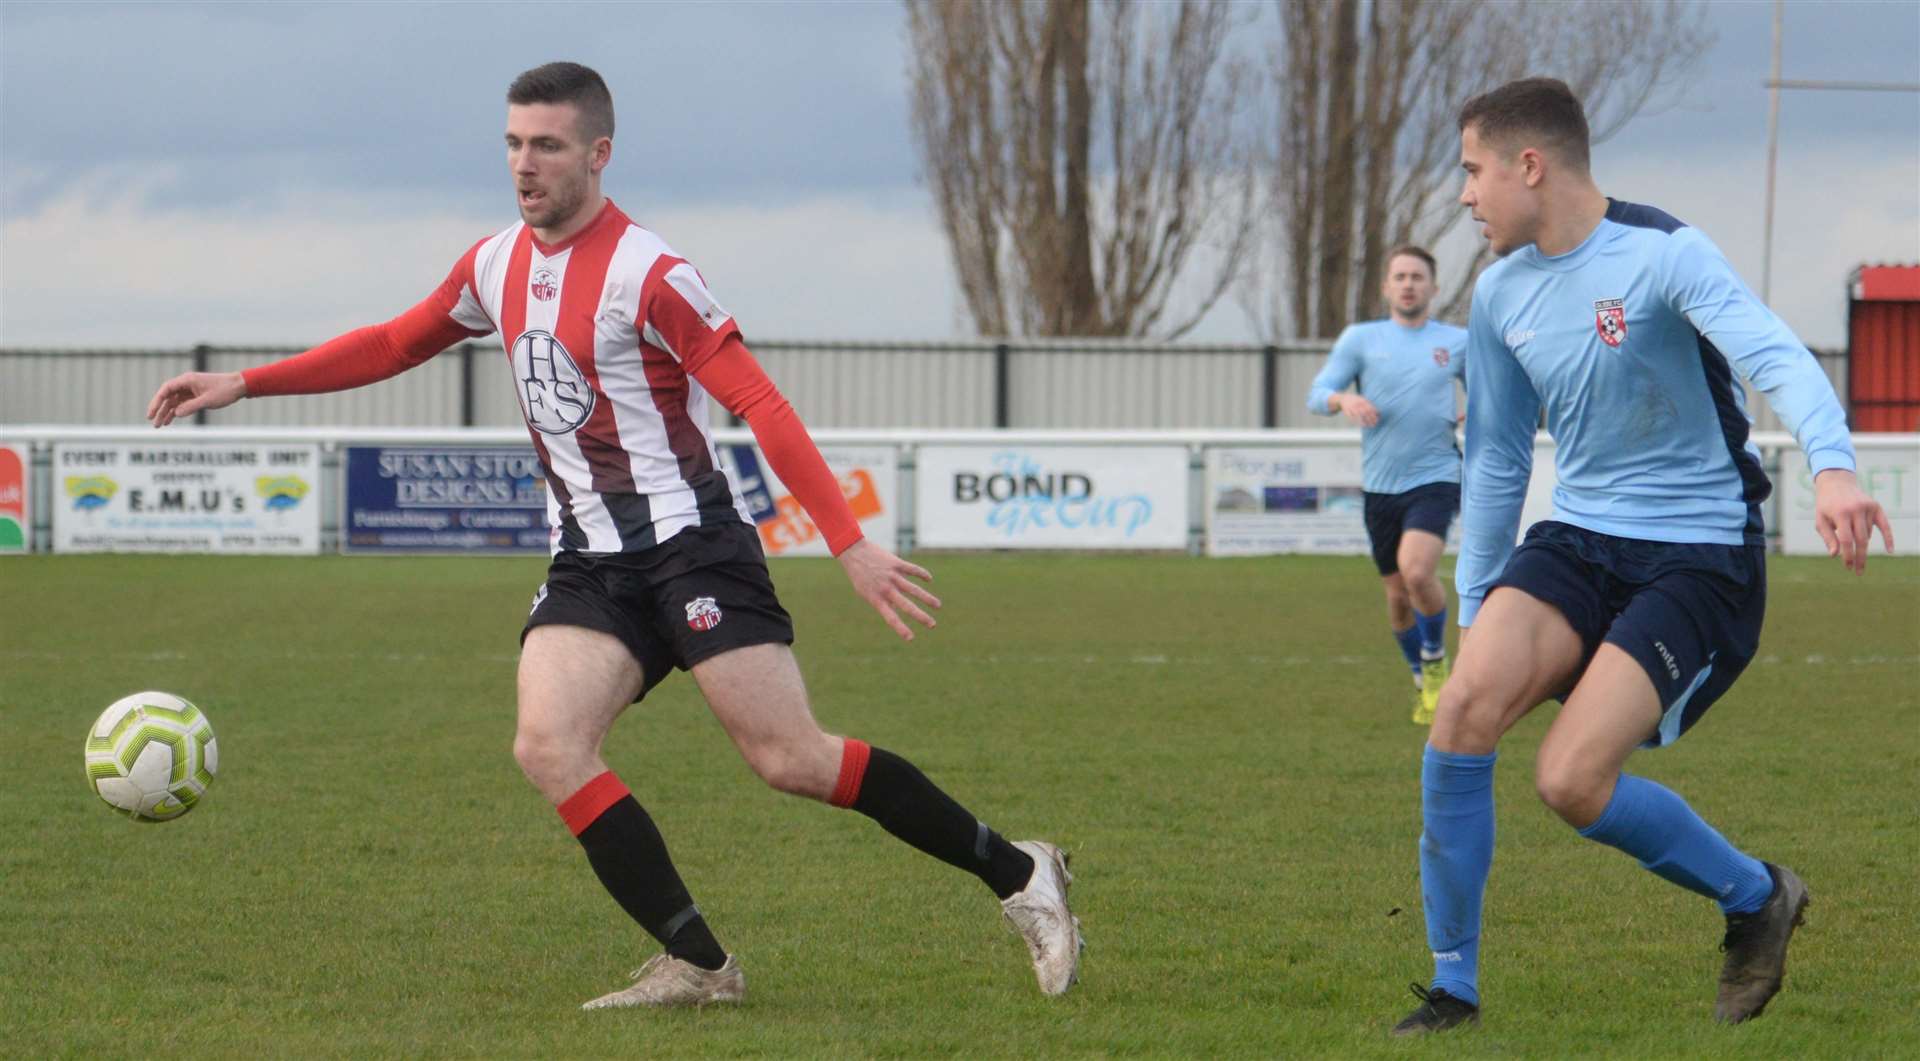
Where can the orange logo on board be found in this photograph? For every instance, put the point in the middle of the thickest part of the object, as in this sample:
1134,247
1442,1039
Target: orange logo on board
13,501
789,526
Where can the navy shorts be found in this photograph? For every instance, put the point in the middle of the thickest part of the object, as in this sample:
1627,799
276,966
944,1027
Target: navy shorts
1428,508
700,593
1690,615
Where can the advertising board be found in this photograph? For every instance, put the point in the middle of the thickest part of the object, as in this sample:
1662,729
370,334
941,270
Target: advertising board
186,497
869,477
1890,474
1051,497
443,498
16,499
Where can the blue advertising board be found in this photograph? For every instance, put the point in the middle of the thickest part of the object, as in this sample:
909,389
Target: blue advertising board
442,499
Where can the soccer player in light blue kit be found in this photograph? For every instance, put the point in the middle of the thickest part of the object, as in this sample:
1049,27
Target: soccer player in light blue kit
1640,601
1405,366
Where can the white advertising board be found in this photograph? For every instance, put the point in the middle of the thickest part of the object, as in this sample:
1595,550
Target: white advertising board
1051,497
869,478
1309,499
1284,499
186,497
1888,473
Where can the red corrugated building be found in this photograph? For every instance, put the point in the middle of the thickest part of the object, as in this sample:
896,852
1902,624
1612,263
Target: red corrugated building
1883,348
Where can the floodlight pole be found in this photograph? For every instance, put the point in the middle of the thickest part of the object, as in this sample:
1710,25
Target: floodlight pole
1773,85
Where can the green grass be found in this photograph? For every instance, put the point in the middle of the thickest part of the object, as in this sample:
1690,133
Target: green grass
1222,744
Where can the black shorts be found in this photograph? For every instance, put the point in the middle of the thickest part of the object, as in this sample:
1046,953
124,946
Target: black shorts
1428,508
700,593
1689,614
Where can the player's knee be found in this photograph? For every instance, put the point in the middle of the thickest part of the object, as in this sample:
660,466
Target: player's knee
1576,795
1469,717
1398,600
790,768
1416,570
542,753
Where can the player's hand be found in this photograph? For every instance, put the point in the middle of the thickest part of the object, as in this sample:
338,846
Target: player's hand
190,392
1845,517
1359,410
886,582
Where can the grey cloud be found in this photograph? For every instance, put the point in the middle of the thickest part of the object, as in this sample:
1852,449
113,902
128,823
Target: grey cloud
251,103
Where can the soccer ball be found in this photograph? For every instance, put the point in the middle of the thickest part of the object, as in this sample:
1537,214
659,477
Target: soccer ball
151,756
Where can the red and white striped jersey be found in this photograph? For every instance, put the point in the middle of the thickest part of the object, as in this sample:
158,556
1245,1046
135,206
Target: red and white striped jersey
603,333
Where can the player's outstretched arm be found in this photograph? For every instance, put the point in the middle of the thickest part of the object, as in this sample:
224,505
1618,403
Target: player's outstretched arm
192,392
1845,517
729,372
363,356
887,582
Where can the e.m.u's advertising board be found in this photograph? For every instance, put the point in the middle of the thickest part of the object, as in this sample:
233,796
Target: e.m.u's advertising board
438,499
186,497
16,516
1051,497
868,476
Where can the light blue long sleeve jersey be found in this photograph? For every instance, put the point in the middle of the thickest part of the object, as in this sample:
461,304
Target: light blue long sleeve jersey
1625,340
1408,374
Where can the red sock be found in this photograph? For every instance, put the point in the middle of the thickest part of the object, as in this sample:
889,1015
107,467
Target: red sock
853,770
585,806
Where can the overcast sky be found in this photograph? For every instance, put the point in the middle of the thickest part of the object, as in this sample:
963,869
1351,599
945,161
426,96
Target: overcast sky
279,173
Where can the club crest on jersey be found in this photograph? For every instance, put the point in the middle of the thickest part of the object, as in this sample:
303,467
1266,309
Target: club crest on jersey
1610,320
544,285
703,613
554,393
1441,355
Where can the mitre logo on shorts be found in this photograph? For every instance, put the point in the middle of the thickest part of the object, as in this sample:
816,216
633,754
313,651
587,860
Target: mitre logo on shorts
553,391
1610,320
544,285
1441,355
703,613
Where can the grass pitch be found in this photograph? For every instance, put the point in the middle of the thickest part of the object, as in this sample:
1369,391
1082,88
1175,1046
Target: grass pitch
1222,744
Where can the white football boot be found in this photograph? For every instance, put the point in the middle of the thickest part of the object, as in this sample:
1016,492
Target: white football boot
1039,912
669,981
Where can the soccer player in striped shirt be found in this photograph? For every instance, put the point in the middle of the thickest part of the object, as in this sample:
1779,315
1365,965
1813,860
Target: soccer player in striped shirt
616,345
1405,366
1639,603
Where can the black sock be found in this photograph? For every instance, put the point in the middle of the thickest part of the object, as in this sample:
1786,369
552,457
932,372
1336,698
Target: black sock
896,794
629,856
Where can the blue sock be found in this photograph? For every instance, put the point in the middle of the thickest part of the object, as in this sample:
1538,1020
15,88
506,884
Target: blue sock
1410,646
1433,630
1653,824
1456,852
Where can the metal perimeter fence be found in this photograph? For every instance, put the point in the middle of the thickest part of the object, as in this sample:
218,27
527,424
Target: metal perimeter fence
965,384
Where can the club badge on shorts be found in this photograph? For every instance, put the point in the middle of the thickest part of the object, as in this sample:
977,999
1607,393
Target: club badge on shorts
1610,320
702,613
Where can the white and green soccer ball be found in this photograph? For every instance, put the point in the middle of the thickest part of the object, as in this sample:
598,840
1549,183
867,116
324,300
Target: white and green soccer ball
151,756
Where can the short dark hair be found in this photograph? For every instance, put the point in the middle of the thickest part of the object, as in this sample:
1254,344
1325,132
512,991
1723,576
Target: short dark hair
1413,251
568,83
1541,107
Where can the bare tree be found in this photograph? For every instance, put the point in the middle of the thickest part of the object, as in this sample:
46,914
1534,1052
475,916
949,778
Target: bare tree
1368,92
1085,158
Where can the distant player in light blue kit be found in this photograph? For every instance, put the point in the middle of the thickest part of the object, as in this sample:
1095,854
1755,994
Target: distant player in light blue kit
1405,366
1640,601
